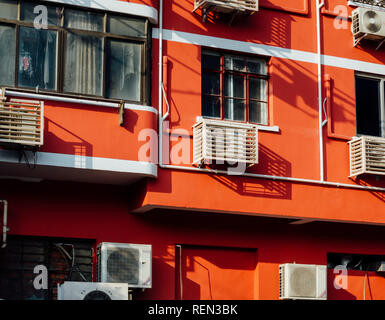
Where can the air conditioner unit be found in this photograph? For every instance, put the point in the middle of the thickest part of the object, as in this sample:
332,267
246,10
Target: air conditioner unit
72,290
302,281
227,6
125,263
224,141
21,123
367,155
368,24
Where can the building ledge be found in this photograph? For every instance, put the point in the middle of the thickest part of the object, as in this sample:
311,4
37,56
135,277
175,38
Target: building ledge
65,167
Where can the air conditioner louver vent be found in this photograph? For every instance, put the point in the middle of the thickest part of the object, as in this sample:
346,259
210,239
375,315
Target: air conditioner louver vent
300,281
224,141
21,123
227,6
125,263
367,155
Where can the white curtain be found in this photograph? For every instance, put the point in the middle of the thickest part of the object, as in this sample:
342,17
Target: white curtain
83,57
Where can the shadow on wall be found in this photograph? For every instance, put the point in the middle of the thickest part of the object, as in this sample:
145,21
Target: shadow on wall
222,273
73,145
270,163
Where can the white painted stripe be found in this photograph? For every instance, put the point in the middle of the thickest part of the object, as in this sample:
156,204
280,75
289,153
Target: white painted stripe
136,9
85,162
266,50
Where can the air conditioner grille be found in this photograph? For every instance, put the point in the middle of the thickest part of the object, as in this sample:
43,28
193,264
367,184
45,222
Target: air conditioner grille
367,155
21,122
97,295
123,266
224,141
303,282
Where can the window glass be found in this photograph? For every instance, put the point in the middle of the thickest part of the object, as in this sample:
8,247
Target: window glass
83,20
37,58
123,70
83,64
244,93
234,86
211,83
126,26
211,106
235,109
8,9
256,66
368,106
257,112
7,55
234,63
32,12
211,61
257,89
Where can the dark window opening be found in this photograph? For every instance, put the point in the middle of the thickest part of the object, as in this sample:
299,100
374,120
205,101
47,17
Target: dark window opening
23,254
355,261
369,102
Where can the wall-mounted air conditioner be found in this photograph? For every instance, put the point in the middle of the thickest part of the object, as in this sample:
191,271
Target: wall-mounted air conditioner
71,290
21,123
224,142
125,263
227,6
368,24
367,155
302,281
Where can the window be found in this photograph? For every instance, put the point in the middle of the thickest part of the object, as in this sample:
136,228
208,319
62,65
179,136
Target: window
370,105
77,52
65,259
234,87
363,262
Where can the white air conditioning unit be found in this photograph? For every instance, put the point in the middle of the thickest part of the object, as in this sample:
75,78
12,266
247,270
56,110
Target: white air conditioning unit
125,263
367,155
21,123
224,141
302,281
72,290
227,6
368,24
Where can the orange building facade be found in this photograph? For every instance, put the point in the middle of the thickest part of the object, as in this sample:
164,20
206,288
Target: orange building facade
119,167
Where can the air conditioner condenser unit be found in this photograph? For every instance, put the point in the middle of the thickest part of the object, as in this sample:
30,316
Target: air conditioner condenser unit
302,281
74,290
368,23
125,263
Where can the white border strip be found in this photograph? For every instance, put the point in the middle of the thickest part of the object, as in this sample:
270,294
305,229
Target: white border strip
135,9
266,50
85,162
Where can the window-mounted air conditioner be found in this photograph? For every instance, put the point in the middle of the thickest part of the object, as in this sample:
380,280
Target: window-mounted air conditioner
367,155
125,263
368,24
21,123
224,141
72,290
302,281
227,6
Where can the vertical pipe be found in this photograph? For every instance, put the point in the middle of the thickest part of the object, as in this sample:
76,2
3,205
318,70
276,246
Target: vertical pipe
319,67
5,227
160,85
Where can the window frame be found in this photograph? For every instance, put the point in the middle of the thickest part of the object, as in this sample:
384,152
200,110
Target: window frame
381,96
145,54
246,75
